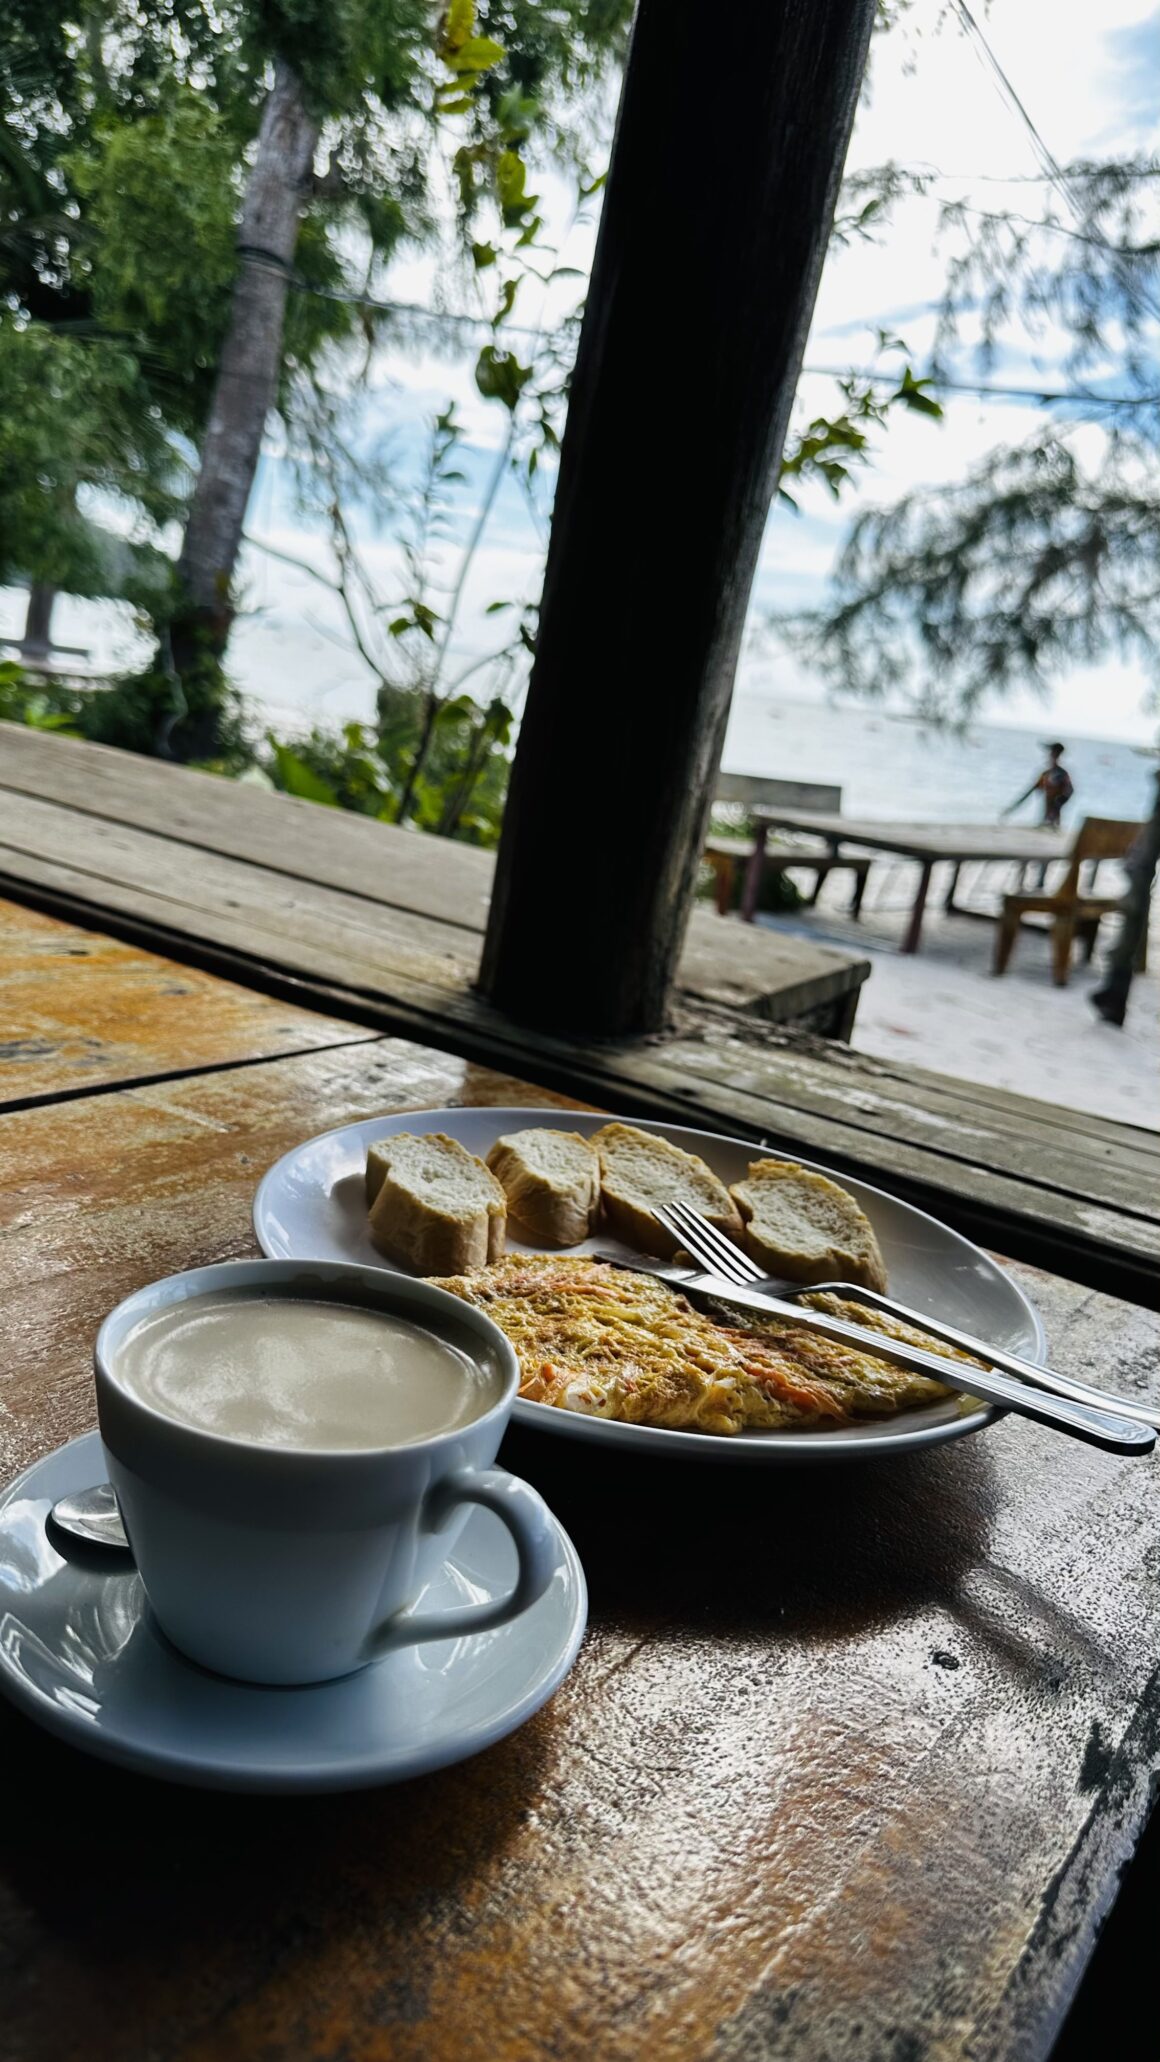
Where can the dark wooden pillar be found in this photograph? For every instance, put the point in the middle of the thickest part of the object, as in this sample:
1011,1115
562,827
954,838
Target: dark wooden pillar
37,640
730,141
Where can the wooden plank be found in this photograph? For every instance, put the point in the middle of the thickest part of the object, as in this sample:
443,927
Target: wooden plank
331,846
885,1105
321,872
869,1799
81,1010
763,973
1110,1247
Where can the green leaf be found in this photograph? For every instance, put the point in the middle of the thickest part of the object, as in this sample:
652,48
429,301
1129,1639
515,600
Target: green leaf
458,26
493,608
510,180
476,54
507,298
500,376
295,777
398,625
914,393
484,254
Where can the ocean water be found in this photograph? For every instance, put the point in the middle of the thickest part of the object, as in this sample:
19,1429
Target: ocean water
894,770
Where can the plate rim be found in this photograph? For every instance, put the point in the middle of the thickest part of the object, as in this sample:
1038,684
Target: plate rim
314,1778
773,1448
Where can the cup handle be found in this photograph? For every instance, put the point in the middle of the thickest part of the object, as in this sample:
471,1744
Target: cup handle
532,1528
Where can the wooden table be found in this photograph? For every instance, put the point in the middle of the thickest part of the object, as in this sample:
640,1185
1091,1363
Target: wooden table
930,844
847,1767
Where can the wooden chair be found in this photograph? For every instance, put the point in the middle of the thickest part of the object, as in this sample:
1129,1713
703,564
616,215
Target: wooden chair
1074,912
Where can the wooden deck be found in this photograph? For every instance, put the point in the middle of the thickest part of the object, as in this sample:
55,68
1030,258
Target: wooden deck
382,928
325,892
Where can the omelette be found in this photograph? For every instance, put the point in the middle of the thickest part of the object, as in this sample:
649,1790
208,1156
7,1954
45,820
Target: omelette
623,1345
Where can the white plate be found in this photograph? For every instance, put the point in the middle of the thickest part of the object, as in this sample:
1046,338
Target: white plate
80,1655
310,1207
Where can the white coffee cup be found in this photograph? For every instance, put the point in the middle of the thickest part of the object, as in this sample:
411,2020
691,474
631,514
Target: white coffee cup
283,1565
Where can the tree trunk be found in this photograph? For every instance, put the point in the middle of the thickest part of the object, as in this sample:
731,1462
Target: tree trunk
247,380
716,217
37,639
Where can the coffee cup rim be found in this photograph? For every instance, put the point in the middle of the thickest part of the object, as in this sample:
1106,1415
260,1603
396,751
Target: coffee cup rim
378,1282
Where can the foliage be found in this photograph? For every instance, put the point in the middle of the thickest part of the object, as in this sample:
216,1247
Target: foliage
1045,556
460,792
76,420
1029,564
42,705
124,134
830,446
437,755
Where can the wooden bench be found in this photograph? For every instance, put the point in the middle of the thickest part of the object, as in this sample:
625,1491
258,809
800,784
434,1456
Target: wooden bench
725,855
753,792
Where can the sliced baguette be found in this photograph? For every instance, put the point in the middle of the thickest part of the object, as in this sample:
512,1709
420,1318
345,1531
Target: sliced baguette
800,1225
552,1183
435,1208
638,1171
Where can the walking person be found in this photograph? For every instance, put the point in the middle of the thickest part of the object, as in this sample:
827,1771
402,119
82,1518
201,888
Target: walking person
1055,786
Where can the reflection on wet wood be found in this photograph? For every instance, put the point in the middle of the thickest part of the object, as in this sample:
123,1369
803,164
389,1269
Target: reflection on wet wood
79,1010
846,1768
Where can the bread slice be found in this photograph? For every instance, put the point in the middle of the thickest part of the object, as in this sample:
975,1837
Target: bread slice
801,1225
638,1171
434,1208
552,1183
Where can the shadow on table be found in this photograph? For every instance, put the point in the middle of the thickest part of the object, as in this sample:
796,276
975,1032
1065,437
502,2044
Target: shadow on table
189,1893
816,1550
200,1899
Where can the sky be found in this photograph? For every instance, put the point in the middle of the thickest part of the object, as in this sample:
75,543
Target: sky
1091,86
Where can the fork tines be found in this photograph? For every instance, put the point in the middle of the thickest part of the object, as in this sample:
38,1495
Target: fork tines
707,1245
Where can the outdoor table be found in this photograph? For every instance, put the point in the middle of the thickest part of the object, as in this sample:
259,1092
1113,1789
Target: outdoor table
927,843
849,1764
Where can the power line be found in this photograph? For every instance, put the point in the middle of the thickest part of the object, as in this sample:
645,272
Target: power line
1052,169
461,320
1045,396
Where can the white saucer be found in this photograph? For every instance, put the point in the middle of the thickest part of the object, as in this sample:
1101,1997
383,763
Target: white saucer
79,1653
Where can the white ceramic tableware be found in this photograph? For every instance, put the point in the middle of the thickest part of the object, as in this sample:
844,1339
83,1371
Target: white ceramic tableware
311,1204
283,1565
81,1655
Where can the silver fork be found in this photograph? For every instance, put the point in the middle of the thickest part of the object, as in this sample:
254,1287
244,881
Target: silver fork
1118,1424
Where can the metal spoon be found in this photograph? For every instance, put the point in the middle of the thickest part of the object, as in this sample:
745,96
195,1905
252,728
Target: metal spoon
92,1516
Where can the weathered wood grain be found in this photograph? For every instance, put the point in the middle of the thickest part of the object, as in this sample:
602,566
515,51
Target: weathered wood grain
98,1194
274,831
977,1166
1079,1194
79,1010
845,1771
252,844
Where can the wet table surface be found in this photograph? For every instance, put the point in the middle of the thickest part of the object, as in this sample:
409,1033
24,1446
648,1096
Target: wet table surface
849,1763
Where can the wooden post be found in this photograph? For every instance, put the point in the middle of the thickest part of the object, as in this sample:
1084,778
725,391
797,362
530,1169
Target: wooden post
729,149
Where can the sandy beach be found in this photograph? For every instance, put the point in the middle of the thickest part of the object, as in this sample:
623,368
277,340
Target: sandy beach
944,1010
